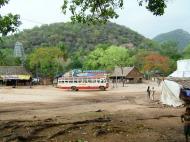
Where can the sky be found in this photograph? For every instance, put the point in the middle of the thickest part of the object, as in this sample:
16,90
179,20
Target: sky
38,12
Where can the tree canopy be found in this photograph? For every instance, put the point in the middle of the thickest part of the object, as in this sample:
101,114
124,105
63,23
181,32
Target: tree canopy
9,22
107,58
93,11
46,61
156,62
7,58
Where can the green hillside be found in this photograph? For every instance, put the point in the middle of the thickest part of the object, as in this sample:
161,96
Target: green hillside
74,36
181,37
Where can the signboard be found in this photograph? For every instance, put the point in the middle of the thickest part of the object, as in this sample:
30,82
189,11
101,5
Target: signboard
15,77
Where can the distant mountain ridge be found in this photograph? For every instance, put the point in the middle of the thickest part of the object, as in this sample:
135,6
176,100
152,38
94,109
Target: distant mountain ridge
181,37
74,36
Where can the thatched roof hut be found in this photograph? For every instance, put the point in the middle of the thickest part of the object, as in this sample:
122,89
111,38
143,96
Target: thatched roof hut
130,74
14,73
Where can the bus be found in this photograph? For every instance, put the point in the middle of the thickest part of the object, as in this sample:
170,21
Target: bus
83,83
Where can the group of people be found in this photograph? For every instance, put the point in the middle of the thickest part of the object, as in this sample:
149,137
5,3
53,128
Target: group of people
150,93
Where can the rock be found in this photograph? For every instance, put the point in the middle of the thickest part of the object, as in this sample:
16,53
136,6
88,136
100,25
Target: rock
99,110
99,132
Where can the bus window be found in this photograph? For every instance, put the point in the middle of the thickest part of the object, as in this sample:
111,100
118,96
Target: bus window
93,80
98,81
70,81
89,80
74,80
79,80
85,80
66,81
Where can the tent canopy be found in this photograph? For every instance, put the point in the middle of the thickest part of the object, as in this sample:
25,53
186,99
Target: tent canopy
183,69
171,86
170,93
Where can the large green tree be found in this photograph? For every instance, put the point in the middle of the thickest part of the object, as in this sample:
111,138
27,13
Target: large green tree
107,58
46,61
116,57
7,58
94,59
9,22
85,11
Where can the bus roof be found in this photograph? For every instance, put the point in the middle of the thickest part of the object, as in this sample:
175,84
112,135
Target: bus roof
84,77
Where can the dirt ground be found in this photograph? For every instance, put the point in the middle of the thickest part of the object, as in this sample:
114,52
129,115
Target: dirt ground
122,114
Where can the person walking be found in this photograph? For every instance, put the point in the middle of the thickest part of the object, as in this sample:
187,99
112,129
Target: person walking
152,93
185,118
148,92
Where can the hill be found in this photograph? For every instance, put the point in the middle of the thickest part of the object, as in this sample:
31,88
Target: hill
74,36
181,37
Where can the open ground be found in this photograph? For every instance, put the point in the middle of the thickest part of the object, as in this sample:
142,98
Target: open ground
122,114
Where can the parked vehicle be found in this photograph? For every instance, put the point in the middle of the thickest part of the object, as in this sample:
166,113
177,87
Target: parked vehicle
36,81
83,83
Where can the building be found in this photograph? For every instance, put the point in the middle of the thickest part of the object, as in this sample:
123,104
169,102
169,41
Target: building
128,74
14,75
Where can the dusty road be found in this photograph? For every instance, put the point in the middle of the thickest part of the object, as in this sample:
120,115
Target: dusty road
120,114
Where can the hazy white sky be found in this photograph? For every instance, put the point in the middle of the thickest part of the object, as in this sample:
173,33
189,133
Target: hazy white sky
37,12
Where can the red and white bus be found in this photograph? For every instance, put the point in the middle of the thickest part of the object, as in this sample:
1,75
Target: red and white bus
83,83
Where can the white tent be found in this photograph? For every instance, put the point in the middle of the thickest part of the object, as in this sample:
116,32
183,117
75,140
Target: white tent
171,86
170,93
183,69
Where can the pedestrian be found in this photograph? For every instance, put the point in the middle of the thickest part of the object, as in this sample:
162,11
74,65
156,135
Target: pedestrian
148,92
185,118
152,93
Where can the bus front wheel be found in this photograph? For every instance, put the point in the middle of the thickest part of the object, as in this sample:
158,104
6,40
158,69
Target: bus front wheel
102,88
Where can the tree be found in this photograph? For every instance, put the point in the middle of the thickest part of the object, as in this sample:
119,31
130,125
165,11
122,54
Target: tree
107,58
9,22
77,59
186,52
64,49
2,57
93,11
138,58
116,57
149,45
170,50
94,59
7,58
155,62
47,61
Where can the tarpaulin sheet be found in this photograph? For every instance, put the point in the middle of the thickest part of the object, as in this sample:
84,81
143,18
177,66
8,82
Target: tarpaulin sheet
170,93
